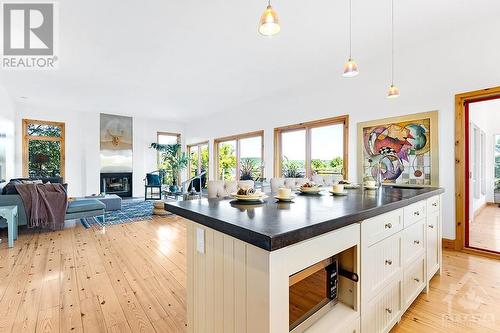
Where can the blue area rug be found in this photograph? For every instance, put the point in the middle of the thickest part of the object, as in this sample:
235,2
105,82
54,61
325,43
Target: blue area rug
132,211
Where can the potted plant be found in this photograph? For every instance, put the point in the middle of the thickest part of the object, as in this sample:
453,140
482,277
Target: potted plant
173,159
248,168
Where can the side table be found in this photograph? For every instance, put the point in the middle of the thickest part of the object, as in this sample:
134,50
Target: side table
10,213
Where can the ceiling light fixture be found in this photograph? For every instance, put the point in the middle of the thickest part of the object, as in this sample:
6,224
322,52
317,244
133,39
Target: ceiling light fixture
393,91
269,21
350,67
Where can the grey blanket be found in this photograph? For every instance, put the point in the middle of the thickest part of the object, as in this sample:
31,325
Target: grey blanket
45,204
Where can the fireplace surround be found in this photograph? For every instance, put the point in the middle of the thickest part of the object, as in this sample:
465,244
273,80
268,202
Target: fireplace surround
119,183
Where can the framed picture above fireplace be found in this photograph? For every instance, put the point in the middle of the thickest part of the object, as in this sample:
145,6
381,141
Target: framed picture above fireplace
116,141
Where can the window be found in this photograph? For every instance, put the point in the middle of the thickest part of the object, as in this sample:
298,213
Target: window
240,157
312,148
198,159
166,139
43,148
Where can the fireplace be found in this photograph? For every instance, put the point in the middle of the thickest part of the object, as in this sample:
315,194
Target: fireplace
119,183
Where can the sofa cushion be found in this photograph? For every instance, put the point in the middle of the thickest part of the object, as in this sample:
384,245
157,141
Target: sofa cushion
84,205
10,188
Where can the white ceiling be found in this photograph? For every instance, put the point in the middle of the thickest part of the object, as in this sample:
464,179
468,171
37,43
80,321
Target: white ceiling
184,58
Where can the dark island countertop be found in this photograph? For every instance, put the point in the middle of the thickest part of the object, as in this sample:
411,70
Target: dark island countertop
273,225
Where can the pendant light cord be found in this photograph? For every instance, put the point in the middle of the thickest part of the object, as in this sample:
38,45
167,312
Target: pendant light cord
392,42
350,29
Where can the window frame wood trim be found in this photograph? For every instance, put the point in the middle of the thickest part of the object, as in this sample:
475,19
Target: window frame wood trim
237,138
307,126
27,138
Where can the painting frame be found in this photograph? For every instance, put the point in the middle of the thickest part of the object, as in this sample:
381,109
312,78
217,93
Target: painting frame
432,116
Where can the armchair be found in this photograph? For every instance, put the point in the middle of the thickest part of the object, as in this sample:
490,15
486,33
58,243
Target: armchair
153,182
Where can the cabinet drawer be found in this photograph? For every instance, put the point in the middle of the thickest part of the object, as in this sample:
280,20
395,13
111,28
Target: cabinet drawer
414,213
413,281
382,226
433,204
383,311
413,242
381,263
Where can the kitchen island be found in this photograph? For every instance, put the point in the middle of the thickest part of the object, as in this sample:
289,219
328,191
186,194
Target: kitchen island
245,259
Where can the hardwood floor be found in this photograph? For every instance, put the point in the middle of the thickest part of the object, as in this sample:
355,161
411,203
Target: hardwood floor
484,232
132,278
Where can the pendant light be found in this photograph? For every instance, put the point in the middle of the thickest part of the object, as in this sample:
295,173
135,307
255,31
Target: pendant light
393,91
350,67
269,22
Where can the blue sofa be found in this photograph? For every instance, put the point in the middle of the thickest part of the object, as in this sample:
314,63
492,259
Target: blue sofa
76,209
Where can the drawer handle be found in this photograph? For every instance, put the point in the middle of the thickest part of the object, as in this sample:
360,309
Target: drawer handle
388,225
416,242
416,279
434,204
388,262
389,310
417,213
431,226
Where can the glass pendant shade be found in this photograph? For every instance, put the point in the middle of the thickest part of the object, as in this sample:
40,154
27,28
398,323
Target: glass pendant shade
350,69
269,22
393,92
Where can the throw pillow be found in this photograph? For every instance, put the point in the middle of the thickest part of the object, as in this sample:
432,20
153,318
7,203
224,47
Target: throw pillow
152,179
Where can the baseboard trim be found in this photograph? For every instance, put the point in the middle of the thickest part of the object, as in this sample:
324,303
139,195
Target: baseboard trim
448,244
480,209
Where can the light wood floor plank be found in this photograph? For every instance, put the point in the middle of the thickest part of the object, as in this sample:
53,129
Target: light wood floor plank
132,278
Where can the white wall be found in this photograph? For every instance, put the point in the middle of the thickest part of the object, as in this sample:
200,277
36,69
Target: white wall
7,116
82,146
429,75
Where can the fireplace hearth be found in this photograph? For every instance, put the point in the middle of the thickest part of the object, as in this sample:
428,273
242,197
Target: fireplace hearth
119,183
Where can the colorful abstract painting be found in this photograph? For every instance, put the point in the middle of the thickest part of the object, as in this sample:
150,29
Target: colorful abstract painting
400,149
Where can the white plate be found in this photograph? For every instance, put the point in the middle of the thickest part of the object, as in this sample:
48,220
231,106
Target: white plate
339,193
251,199
371,187
310,190
243,196
288,199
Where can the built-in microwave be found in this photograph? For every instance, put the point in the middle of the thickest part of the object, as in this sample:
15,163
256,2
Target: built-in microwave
312,292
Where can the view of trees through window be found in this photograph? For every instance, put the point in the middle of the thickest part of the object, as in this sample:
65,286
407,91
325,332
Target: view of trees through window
227,160
198,160
312,150
166,139
293,152
44,142
327,149
240,158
